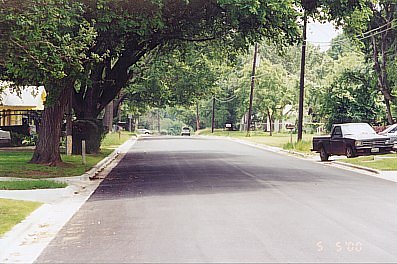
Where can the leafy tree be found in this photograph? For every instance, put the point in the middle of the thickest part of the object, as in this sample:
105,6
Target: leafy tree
351,98
45,42
125,33
129,32
374,27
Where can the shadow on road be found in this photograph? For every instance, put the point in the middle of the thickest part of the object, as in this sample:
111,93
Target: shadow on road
159,173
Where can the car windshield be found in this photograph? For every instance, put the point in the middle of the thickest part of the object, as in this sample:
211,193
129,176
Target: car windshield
358,129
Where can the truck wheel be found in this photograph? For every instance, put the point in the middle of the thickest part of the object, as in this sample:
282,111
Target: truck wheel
323,154
350,152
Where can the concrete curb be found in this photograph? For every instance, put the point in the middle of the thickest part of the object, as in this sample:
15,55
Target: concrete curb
25,242
100,166
357,167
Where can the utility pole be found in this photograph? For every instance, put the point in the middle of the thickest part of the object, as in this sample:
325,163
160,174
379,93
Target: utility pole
213,114
197,117
302,79
252,89
158,120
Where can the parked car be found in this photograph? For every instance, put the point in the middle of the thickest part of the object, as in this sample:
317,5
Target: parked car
351,139
185,131
5,138
144,131
391,132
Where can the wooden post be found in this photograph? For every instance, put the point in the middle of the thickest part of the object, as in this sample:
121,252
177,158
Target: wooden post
83,152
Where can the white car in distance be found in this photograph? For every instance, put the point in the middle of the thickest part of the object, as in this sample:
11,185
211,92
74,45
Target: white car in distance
144,131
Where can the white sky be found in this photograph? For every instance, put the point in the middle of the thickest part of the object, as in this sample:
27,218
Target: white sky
317,32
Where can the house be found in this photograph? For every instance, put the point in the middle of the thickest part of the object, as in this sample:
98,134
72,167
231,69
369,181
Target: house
20,110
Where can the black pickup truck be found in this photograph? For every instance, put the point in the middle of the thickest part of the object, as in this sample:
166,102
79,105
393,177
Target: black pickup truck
351,139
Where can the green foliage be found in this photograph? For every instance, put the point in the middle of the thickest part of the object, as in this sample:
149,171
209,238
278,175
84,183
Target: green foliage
44,41
351,98
179,77
92,131
373,29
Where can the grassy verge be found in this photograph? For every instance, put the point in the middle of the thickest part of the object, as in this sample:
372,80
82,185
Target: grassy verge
30,184
15,163
113,140
281,140
380,162
302,146
12,212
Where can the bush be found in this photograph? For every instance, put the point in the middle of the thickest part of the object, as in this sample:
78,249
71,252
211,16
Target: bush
90,130
16,139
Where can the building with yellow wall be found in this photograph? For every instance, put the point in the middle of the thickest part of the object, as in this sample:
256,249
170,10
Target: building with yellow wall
16,107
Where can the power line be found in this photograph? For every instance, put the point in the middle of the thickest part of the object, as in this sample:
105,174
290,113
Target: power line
227,99
359,37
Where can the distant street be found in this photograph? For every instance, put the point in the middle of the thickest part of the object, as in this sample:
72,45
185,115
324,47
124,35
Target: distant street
179,200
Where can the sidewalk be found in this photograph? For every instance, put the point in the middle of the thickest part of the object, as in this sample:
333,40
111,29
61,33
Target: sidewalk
386,175
25,242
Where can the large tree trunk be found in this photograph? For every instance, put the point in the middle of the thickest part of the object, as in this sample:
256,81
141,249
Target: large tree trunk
47,149
381,72
108,117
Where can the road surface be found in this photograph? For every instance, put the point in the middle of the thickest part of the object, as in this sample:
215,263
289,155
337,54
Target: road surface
195,199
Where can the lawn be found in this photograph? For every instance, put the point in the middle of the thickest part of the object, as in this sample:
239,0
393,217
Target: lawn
276,140
380,162
13,212
30,184
15,163
113,140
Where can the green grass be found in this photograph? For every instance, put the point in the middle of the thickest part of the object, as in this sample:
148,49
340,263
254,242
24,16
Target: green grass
380,162
30,184
15,164
301,146
113,140
13,212
276,140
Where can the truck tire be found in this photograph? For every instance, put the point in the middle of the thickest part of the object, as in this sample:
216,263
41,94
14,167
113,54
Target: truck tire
350,153
323,154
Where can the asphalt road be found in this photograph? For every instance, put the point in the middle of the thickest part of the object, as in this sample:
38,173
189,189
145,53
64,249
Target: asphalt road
209,200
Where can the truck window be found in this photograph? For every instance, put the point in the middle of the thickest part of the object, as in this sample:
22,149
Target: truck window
337,132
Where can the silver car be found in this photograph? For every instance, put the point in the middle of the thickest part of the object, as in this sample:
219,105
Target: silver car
5,138
391,132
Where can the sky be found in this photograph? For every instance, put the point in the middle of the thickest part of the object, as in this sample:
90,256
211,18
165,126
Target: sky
317,32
